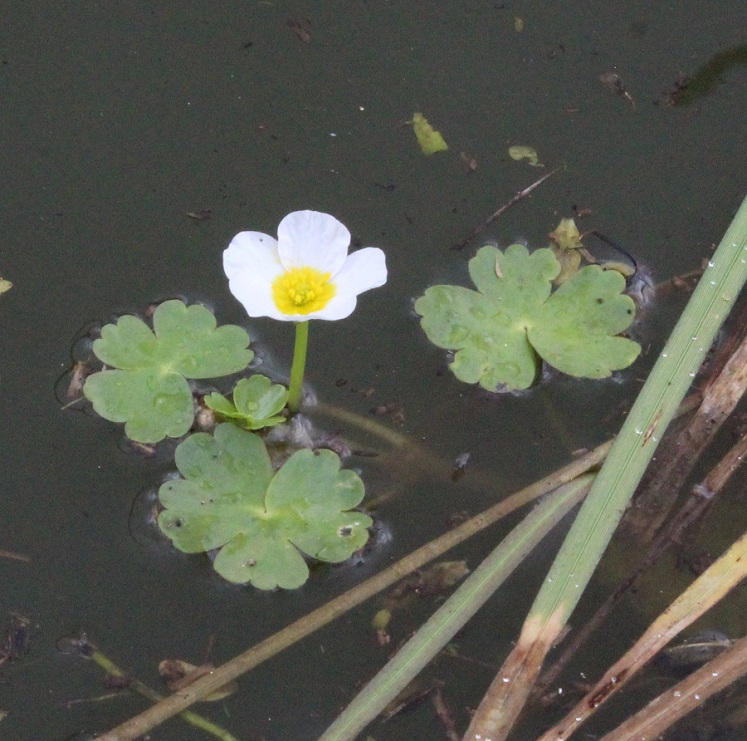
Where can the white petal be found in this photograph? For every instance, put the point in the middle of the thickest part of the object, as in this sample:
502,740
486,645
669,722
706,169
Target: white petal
313,239
339,307
363,270
251,263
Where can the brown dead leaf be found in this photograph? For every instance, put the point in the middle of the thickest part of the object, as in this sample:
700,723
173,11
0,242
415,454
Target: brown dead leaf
203,215
178,674
435,580
614,82
299,30
469,163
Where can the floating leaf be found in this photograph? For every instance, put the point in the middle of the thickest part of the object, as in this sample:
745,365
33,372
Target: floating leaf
429,139
256,403
229,499
521,152
5,285
148,391
499,330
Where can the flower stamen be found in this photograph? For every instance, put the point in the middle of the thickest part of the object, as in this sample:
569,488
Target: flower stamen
302,290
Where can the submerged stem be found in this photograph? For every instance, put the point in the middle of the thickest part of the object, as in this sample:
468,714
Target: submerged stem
297,369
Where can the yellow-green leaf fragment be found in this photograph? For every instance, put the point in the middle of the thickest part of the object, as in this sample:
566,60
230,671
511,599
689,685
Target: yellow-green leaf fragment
565,244
523,152
381,619
5,285
429,139
566,235
626,270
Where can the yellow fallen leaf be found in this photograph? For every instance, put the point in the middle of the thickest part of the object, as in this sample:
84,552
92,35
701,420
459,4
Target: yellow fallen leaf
523,152
381,620
566,243
429,139
5,285
566,235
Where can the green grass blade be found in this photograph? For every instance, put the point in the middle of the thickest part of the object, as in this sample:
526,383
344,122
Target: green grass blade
651,414
456,611
614,486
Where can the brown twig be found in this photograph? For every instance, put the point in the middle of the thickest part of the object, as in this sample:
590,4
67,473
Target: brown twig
15,556
700,499
291,634
521,194
720,397
684,697
662,486
83,648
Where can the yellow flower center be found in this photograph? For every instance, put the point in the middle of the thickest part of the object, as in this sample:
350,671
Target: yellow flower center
302,291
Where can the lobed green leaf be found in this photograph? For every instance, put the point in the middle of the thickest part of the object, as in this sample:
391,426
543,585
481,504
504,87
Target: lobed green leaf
229,499
500,332
148,390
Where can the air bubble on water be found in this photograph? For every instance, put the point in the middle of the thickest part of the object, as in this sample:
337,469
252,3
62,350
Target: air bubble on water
697,697
677,693
638,431
711,264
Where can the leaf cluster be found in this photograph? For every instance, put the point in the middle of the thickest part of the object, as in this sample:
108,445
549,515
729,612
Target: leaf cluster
502,331
257,403
261,522
258,522
147,386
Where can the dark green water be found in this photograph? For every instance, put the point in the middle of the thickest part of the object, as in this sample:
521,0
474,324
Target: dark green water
118,118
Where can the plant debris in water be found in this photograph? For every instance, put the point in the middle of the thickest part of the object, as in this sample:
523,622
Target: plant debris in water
177,674
429,139
523,152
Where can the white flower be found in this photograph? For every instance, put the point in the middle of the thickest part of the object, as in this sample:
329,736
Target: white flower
305,274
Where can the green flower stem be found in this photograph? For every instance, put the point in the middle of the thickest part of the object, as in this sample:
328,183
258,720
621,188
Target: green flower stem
298,367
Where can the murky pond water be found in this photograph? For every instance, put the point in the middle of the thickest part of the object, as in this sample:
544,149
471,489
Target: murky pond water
122,119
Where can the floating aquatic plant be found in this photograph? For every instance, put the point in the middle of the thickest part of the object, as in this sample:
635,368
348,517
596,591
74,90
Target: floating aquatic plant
501,331
147,388
229,499
257,403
